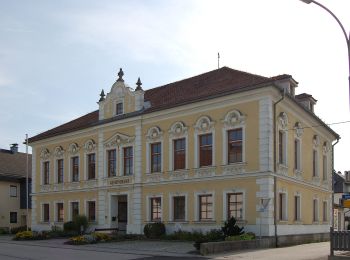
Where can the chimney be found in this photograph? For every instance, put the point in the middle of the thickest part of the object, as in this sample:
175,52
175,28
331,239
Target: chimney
14,148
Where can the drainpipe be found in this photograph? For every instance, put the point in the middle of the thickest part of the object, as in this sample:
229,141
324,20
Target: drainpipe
274,166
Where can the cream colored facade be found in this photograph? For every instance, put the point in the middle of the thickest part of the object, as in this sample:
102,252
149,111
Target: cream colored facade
266,117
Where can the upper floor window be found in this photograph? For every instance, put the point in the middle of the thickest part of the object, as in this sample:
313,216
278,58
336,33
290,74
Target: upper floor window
75,168
235,205
235,145
179,154
13,191
60,171
91,166
112,162
297,154
156,209
128,160
205,207
119,108
282,156
46,175
205,150
156,154
314,163
324,167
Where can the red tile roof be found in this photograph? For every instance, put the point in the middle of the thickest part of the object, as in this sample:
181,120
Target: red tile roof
208,85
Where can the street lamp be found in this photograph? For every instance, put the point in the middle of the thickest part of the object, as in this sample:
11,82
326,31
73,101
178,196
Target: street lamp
347,37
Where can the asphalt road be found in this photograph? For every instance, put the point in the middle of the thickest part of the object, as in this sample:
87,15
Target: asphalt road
150,250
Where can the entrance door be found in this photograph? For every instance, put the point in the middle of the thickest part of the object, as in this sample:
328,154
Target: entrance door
122,212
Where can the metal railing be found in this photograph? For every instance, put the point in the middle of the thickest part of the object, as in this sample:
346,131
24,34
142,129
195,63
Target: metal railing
340,240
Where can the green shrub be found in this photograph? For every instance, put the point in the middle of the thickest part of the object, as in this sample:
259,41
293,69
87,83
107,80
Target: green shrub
246,236
154,230
213,235
231,229
69,226
80,221
15,230
4,231
101,237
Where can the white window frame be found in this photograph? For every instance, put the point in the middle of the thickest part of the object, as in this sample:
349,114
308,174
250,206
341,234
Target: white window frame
204,125
224,201
42,212
154,135
196,203
121,161
297,194
56,170
71,169
86,210
148,206
10,191
70,210
299,155
282,127
315,210
42,172
317,172
325,211
284,206
56,211
117,101
171,206
177,131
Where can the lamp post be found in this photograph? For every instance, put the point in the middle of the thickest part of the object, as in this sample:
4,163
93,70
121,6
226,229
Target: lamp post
347,37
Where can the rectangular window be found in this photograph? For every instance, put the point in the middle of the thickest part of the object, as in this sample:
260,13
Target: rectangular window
75,168
297,216
179,208
13,191
235,205
282,207
46,169
156,209
315,210
314,163
324,167
13,217
156,157
60,171
119,109
297,154
281,147
205,150
46,212
179,154
205,207
128,161
91,166
234,145
325,211
91,211
112,162
59,212
75,209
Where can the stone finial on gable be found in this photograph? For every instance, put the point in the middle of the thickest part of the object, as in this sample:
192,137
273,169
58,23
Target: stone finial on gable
102,96
138,84
120,75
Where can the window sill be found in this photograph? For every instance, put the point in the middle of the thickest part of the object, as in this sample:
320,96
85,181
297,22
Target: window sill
204,222
283,222
178,222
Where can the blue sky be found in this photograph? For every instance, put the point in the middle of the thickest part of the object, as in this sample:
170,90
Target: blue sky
56,56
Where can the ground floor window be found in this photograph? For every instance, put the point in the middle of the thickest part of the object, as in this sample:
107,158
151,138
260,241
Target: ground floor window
179,208
325,211
60,212
46,212
91,208
235,205
156,209
206,207
297,215
282,207
75,209
13,217
315,210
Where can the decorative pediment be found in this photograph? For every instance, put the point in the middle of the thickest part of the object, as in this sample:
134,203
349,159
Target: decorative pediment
90,146
154,133
316,140
298,129
178,129
233,118
204,124
58,152
118,140
45,154
73,148
326,147
283,120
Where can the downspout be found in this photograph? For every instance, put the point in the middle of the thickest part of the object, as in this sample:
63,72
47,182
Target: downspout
274,166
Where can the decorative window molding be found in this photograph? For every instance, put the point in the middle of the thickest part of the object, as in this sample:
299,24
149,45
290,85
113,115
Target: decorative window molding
283,121
326,147
154,135
316,141
297,207
233,119
282,140
204,125
282,205
177,131
45,154
90,146
73,148
118,139
298,130
59,152
225,204
148,206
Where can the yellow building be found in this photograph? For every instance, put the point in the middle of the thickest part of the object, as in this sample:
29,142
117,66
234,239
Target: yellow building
190,154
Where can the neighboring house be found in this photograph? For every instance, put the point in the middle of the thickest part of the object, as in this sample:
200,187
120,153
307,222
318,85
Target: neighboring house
190,154
13,202
341,184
